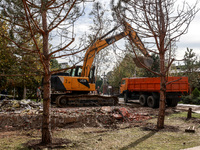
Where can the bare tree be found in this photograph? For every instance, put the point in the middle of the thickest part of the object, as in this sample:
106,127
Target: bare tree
161,24
50,19
101,22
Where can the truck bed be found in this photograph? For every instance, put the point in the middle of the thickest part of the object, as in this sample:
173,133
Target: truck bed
153,84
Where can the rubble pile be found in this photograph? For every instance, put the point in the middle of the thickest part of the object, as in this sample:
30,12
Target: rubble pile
17,114
81,117
27,114
127,115
107,116
16,105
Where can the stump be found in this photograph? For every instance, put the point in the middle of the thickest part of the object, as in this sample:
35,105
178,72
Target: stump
189,114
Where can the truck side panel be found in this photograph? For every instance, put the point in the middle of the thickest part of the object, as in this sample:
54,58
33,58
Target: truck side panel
176,84
181,85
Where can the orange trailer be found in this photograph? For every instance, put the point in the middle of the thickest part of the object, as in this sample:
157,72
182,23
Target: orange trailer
147,90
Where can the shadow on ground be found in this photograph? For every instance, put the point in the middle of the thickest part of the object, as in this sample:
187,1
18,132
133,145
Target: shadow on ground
57,143
134,144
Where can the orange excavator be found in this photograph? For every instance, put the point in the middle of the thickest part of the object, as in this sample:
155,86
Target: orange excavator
73,88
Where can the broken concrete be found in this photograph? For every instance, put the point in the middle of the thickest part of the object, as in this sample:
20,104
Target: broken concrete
16,105
26,114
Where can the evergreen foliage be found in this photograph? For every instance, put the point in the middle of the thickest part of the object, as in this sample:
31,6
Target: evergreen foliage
195,93
190,68
194,98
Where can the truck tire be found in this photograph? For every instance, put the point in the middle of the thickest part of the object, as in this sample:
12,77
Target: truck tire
152,102
126,97
143,100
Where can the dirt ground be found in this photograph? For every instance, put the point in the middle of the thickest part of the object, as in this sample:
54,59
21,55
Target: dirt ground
104,119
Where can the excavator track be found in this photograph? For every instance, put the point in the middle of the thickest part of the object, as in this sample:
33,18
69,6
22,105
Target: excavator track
86,100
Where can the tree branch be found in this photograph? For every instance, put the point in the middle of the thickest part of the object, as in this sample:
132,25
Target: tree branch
50,29
173,81
41,57
56,51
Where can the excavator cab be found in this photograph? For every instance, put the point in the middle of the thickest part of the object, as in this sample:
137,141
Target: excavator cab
76,71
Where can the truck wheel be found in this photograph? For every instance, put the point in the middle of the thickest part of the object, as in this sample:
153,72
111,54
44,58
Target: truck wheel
126,97
152,102
143,100
61,101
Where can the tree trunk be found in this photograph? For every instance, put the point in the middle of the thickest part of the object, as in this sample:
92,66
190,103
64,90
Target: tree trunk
46,126
161,114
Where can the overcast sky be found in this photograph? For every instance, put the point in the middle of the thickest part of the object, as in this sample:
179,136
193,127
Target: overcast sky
190,40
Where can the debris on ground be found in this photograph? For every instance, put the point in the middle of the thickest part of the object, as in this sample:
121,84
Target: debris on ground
27,114
126,115
18,105
190,129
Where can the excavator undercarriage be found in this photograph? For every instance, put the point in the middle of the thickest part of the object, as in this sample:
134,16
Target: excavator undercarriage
85,100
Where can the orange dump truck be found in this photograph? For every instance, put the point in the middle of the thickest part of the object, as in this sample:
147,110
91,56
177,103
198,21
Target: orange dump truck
147,90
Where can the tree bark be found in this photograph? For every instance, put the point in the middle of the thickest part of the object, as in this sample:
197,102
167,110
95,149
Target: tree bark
162,31
46,126
161,114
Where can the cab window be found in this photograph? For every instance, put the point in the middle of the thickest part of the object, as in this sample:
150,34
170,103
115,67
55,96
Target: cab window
79,71
73,72
123,81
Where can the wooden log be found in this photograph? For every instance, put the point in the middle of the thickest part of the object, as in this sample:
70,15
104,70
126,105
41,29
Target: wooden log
190,129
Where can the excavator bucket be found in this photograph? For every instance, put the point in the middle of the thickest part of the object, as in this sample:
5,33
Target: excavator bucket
147,61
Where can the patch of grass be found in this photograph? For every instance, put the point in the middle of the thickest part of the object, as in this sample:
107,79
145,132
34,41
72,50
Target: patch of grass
12,142
15,140
172,137
184,115
131,138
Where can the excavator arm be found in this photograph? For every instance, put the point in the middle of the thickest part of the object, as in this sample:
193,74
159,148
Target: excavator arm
139,60
136,40
95,48
102,43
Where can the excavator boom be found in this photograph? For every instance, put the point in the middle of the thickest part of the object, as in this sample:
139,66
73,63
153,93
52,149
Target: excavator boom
102,43
94,49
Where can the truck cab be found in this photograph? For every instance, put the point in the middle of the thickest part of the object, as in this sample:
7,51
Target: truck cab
123,86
